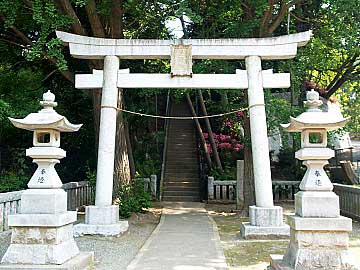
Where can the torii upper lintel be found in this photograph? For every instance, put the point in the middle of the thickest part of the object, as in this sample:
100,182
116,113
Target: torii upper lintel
282,47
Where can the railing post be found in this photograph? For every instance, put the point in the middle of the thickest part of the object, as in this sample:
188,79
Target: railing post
239,183
210,188
153,183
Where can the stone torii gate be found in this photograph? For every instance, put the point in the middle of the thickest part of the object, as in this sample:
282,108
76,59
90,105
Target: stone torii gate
265,218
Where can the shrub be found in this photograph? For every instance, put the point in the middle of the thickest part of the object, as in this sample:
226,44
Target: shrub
11,181
132,198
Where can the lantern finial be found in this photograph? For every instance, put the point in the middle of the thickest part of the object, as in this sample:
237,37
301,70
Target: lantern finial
313,101
48,101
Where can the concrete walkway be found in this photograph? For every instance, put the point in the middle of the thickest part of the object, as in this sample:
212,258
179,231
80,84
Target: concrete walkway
185,239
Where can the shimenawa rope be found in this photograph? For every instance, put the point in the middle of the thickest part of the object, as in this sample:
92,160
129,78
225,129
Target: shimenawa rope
184,117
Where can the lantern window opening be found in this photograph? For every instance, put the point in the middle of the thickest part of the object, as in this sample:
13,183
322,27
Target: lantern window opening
43,137
314,138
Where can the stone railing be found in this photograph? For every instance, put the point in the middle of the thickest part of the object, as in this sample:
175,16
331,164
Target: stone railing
285,190
221,190
225,191
150,185
349,200
79,194
9,204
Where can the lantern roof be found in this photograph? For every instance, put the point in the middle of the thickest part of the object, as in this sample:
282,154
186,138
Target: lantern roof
314,118
46,118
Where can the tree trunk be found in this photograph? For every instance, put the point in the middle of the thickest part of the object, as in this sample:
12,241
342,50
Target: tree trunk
198,127
249,185
122,168
129,149
209,130
122,173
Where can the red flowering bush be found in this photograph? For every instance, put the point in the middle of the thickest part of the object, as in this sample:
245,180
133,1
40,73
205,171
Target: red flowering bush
225,143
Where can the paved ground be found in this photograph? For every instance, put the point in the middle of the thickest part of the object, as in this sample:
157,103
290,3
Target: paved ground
185,239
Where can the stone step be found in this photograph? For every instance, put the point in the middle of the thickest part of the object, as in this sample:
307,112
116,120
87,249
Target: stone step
181,179
183,154
181,163
182,145
182,174
182,183
180,189
181,198
174,171
194,193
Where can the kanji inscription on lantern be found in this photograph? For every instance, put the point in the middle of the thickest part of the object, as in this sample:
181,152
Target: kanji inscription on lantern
41,180
317,173
181,60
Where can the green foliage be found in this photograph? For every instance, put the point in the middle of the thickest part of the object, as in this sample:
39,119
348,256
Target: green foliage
90,176
12,181
147,167
132,198
290,168
229,173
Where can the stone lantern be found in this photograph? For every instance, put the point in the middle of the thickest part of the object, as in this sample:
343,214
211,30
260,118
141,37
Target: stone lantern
42,233
318,234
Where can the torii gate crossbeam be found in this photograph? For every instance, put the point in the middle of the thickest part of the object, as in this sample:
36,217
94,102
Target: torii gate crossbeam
265,218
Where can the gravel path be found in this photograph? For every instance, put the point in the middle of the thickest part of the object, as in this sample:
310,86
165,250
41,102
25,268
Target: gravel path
112,252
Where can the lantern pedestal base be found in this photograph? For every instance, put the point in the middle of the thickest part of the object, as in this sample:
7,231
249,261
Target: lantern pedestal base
80,262
41,239
316,243
265,223
101,220
312,203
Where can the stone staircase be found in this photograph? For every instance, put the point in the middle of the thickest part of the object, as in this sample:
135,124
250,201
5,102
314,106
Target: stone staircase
181,178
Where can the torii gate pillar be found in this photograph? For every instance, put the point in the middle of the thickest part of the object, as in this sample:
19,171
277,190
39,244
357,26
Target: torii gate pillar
103,217
265,218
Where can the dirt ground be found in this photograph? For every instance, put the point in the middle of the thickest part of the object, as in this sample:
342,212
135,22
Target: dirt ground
255,254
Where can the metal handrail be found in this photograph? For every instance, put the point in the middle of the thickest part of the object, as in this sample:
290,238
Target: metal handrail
166,125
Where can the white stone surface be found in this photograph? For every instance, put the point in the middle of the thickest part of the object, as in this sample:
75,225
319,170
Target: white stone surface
259,137
311,204
348,261
42,235
266,216
45,119
107,133
115,229
40,254
314,153
82,261
42,220
44,152
315,178
43,201
282,47
249,231
101,215
319,224
317,250
54,140
208,81
45,176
